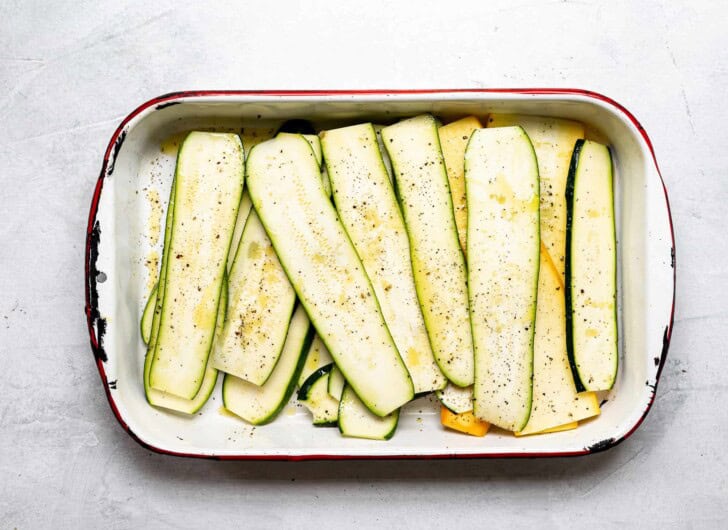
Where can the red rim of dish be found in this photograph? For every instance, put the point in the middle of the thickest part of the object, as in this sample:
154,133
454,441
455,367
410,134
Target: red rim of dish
171,97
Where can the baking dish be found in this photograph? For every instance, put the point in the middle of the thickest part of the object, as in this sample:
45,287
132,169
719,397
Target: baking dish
122,245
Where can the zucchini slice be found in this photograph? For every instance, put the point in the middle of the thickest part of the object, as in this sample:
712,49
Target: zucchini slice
336,383
356,421
591,268
261,404
501,177
207,192
553,140
315,397
285,186
261,304
368,209
252,136
315,144
454,139
189,406
437,261
317,357
240,220
145,324
555,401
383,152
455,399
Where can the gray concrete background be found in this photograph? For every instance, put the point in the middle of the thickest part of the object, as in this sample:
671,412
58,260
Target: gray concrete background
70,71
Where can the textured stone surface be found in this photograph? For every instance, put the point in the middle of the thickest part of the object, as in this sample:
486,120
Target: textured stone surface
69,71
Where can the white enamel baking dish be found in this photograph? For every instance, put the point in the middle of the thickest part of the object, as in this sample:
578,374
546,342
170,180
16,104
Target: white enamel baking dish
119,242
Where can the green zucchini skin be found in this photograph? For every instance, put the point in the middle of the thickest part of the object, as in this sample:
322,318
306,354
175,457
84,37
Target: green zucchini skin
569,193
503,249
325,414
368,210
145,323
437,260
262,302
325,270
356,421
167,401
583,378
229,382
303,392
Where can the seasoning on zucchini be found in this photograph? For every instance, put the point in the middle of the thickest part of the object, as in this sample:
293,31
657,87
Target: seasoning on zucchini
591,268
437,261
285,186
368,209
501,176
207,189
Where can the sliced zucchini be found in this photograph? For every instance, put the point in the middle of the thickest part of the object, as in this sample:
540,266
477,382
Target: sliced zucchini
312,140
189,406
240,220
555,401
383,151
315,144
261,404
553,140
207,193
315,397
145,324
317,357
252,136
591,268
325,270
454,139
357,421
437,261
261,305
336,383
368,209
455,399
501,177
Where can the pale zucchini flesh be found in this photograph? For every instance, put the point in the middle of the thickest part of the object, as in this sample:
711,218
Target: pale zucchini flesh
317,357
502,189
336,383
285,187
315,144
260,309
314,395
437,260
368,209
553,140
555,400
252,136
454,138
591,273
209,379
357,421
261,404
240,220
208,188
145,324
457,400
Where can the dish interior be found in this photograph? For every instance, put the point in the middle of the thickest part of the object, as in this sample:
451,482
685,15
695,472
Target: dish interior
131,219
